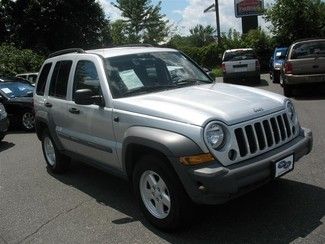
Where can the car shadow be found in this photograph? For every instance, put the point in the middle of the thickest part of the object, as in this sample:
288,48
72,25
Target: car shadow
310,92
281,211
4,145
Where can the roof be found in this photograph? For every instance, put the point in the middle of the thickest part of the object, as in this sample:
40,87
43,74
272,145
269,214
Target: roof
119,51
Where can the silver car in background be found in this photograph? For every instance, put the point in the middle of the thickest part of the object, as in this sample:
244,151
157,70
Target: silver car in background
240,64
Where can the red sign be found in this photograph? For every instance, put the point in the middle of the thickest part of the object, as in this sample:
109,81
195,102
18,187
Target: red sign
248,7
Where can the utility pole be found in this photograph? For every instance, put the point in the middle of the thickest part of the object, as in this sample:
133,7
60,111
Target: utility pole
212,8
217,19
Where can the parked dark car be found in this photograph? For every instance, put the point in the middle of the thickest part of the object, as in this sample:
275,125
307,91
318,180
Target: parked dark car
17,98
276,62
13,79
4,123
304,65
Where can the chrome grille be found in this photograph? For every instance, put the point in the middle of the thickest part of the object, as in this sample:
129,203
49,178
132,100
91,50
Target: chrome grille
264,134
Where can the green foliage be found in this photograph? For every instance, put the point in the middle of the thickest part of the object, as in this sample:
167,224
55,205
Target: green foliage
52,25
119,32
293,19
217,72
143,21
202,35
210,55
14,61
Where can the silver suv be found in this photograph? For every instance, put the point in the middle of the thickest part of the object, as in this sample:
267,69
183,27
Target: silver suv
153,117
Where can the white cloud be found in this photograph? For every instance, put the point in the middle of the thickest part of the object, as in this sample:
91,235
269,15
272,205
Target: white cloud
193,15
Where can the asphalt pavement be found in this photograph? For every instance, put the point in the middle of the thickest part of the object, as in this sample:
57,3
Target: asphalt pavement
86,205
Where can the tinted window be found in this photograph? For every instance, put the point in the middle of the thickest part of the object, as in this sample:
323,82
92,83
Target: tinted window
239,55
308,50
86,77
59,80
42,79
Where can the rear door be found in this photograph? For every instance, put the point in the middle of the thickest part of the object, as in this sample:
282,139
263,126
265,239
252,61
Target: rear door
308,58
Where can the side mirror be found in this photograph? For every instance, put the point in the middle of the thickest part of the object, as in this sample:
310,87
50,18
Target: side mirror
87,97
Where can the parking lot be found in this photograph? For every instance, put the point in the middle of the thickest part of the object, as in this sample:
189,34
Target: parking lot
86,205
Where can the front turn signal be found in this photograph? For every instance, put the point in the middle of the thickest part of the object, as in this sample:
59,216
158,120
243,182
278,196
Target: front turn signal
196,159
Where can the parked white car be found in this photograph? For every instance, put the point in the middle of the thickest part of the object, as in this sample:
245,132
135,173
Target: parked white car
240,64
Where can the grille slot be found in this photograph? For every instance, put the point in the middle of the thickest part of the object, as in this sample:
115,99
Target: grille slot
263,135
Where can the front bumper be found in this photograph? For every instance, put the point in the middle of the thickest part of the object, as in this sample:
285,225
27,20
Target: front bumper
216,183
4,124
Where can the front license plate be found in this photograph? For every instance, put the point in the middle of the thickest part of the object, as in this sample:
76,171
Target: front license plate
283,166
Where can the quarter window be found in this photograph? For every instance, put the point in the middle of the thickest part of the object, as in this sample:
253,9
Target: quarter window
60,78
86,77
42,79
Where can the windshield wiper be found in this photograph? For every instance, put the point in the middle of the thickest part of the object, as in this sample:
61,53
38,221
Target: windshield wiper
191,81
145,89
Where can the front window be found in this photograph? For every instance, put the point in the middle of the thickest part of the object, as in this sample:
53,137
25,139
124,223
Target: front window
149,72
280,54
16,89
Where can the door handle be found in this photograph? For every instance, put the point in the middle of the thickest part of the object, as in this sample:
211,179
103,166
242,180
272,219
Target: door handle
74,110
48,105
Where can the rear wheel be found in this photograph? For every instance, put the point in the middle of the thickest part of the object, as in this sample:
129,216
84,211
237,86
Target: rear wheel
159,193
55,160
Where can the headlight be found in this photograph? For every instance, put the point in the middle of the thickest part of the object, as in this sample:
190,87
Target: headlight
291,112
214,135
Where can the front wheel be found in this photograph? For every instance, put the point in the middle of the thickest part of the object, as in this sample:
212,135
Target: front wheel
160,194
287,91
55,160
28,121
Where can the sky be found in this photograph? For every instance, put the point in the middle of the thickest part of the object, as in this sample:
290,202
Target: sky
185,14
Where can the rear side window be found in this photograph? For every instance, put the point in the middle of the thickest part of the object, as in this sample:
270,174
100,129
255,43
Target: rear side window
308,50
239,55
42,79
60,78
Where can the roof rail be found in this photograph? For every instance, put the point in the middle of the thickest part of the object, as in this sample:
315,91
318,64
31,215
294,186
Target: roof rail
65,51
136,45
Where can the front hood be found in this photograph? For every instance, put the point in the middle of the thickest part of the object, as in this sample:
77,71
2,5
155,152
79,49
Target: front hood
200,104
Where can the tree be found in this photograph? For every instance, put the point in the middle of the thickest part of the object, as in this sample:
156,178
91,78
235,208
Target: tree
13,60
119,32
202,35
144,22
51,25
295,19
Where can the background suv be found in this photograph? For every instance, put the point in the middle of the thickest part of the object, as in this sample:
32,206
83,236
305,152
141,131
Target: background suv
276,63
304,64
239,64
155,118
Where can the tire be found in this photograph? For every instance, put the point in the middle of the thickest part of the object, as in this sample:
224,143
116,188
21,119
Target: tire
156,184
257,80
226,80
27,120
1,137
276,78
287,91
56,162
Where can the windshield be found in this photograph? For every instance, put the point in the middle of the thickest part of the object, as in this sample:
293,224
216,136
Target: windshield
280,54
239,55
16,89
308,50
150,72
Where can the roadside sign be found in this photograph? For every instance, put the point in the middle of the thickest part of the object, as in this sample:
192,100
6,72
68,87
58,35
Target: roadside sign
248,7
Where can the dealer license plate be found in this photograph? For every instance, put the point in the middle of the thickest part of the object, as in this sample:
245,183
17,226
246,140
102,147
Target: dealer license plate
283,166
